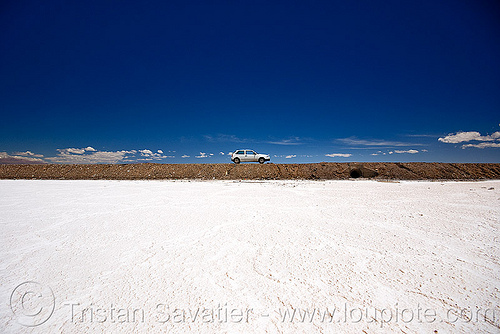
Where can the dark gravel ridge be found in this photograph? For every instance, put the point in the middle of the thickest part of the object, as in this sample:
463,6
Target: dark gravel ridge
270,171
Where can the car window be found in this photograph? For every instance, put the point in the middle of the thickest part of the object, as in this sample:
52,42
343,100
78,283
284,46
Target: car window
240,152
250,152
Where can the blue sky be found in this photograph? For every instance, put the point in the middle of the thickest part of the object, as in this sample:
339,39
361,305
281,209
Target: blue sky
184,82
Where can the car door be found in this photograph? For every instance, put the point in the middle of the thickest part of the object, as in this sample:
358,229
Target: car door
240,155
250,156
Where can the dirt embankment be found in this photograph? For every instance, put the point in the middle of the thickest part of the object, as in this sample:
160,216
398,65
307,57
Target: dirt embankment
321,171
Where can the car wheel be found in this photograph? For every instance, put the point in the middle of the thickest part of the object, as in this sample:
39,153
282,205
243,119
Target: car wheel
261,160
236,160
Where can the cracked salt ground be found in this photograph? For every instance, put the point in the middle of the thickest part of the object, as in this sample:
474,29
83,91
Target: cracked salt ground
337,250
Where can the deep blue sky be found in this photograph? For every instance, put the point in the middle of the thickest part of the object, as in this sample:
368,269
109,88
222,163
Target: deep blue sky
288,78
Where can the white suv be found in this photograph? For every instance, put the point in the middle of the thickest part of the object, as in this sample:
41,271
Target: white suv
248,156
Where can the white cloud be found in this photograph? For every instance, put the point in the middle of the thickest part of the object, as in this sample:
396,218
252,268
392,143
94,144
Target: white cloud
150,155
482,145
461,137
146,152
291,156
408,151
77,150
234,139
289,141
342,155
160,151
67,157
7,158
225,138
28,154
71,150
202,155
375,142
421,135
492,140
185,156
221,153
87,155
412,151
380,153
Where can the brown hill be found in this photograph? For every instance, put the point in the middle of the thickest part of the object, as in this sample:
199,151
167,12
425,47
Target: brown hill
316,171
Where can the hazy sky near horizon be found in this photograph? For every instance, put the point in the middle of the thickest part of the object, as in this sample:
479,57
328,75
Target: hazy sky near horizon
190,81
